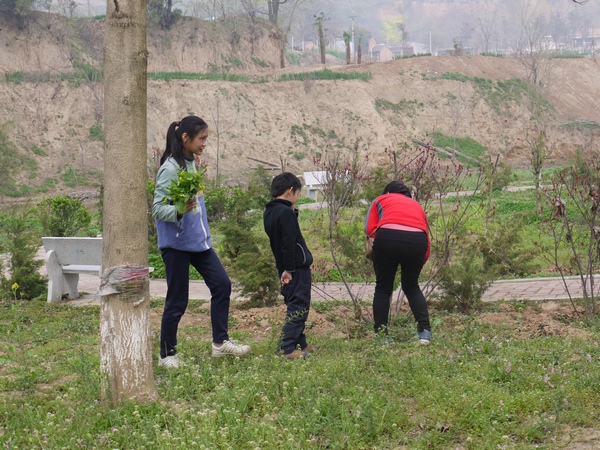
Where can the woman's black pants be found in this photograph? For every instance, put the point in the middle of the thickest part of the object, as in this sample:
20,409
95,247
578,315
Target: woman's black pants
407,250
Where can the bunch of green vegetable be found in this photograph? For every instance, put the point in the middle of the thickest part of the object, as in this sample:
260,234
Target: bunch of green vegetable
185,186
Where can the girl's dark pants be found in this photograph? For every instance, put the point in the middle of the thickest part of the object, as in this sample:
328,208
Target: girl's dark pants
177,265
296,295
407,249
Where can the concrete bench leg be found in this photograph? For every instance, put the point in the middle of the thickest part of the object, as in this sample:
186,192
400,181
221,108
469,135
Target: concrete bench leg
55,277
71,281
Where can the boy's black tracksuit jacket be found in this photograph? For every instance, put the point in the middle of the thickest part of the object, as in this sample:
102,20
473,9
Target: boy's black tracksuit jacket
287,242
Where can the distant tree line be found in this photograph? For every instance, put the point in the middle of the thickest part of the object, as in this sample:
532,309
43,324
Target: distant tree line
16,11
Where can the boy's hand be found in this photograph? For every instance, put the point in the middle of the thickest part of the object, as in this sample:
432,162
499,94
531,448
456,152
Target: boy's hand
286,277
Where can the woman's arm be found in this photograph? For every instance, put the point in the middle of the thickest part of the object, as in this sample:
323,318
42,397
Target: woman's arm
371,219
160,210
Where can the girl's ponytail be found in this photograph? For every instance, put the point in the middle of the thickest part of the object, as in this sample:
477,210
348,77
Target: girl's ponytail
171,141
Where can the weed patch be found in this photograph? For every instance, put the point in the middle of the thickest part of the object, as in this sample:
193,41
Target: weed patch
478,381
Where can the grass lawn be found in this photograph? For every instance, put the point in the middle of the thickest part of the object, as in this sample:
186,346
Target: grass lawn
488,381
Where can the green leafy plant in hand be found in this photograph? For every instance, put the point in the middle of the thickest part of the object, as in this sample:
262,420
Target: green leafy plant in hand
185,186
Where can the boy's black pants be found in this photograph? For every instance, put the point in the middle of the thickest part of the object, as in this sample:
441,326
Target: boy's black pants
296,295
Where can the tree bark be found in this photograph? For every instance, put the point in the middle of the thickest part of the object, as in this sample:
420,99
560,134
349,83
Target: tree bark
282,51
347,38
322,42
125,347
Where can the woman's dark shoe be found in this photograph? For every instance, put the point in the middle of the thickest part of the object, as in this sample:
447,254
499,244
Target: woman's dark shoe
424,337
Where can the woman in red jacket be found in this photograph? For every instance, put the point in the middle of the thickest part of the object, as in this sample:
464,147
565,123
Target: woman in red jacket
399,226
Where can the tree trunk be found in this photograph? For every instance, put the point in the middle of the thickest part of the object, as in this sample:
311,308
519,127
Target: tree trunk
347,38
282,51
322,42
273,8
125,348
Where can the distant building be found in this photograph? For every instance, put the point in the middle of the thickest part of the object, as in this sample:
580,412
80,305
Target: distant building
402,50
586,43
313,182
372,43
381,53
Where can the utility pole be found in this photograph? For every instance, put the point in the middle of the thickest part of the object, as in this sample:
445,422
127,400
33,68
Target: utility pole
352,43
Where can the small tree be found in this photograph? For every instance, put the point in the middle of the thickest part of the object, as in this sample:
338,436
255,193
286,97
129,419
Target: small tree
437,185
342,182
221,127
537,140
572,218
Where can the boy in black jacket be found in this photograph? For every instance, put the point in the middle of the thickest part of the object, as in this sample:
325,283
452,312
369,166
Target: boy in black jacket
292,259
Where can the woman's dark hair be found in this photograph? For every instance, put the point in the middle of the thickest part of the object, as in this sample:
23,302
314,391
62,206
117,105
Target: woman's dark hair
283,182
191,125
397,187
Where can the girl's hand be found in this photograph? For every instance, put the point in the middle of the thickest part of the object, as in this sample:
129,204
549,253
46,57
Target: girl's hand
191,204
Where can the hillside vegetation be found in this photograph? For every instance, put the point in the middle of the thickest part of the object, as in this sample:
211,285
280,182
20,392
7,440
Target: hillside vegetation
51,112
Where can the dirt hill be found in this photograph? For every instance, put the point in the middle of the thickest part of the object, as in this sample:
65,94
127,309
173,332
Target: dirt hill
57,122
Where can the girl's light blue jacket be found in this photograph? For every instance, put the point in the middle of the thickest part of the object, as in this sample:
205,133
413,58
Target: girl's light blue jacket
191,233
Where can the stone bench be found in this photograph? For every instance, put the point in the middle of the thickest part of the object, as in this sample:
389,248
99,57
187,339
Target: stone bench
66,258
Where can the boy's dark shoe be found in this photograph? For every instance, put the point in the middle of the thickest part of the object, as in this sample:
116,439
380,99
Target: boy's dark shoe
296,354
311,348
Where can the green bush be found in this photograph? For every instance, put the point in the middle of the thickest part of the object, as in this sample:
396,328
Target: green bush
62,216
336,53
462,285
248,258
503,250
293,58
350,241
96,133
325,74
378,179
259,62
20,239
259,188
226,203
71,177
504,176
37,151
218,75
466,145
